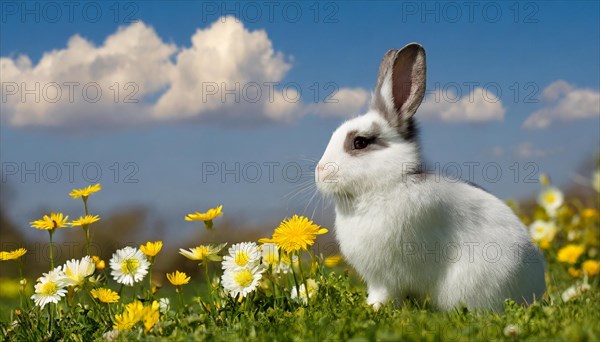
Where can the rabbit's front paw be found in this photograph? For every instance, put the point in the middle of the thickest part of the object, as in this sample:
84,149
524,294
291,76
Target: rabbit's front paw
377,297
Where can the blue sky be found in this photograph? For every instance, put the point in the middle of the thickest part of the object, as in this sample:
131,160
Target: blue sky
549,51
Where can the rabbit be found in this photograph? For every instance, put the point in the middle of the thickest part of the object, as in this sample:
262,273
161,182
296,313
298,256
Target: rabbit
409,233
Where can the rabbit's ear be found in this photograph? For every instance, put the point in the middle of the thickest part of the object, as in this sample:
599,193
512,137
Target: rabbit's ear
400,85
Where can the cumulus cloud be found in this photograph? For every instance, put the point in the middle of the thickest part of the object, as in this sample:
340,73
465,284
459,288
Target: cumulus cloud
227,74
564,102
478,106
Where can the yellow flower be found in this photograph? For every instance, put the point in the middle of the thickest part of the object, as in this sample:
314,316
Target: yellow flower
12,255
178,278
105,295
85,192
295,234
85,220
207,217
151,248
51,222
575,272
136,312
589,213
332,261
100,264
203,252
570,253
592,267
151,315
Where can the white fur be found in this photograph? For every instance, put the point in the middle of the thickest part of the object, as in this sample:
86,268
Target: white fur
402,233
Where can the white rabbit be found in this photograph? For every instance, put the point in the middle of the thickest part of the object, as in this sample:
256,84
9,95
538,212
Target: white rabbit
410,233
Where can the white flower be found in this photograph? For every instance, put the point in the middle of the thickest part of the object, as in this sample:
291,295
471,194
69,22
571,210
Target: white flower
511,330
241,281
242,255
569,294
575,290
50,288
129,265
573,235
551,199
270,257
542,230
77,270
313,287
164,305
111,335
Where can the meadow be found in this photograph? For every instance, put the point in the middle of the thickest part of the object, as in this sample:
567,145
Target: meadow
279,288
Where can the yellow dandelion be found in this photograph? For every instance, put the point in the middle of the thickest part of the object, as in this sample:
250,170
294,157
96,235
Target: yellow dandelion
207,217
570,253
295,234
332,261
12,255
100,264
85,220
85,192
51,222
591,267
151,248
203,252
105,295
178,278
589,213
151,315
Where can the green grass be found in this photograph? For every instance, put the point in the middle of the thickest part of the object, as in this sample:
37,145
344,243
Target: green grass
338,312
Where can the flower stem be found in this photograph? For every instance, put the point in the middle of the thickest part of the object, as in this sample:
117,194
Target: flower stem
85,227
207,277
303,277
21,283
150,278
86,232
294,275
51,231
180,296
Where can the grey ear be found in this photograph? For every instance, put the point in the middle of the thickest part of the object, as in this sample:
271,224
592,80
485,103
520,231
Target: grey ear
400,85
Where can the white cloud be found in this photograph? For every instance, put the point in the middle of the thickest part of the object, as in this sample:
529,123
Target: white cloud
341,102
478,106
564,103
527,150
227,74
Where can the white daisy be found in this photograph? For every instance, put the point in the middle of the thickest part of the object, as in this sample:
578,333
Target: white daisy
76,271
50,288
242,255
270,257
542,230
551,199
575,290
129,265
164,305
313,287
241,281
511,330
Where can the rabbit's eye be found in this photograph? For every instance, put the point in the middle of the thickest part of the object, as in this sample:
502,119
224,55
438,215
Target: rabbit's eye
360,143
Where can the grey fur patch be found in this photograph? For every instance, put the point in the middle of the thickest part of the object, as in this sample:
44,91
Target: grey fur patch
373,134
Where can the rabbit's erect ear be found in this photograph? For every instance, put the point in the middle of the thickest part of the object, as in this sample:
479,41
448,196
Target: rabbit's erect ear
400,85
